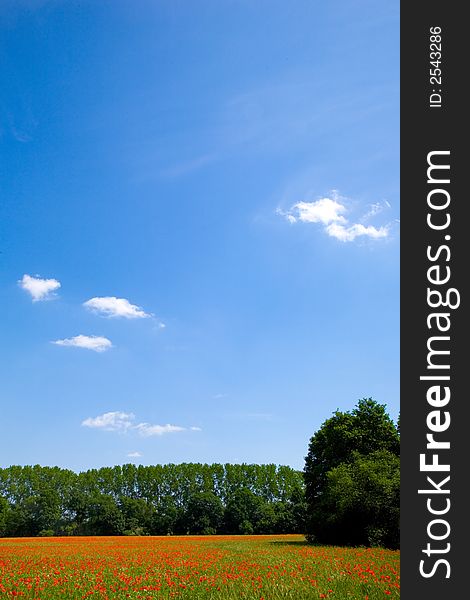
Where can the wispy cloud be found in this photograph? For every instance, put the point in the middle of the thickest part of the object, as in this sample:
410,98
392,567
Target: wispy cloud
38,288
135,454
125,422
375,209
188,166
194,428
110,306
110,421
20,136
90,342
330,212
293,110
274,114
148,430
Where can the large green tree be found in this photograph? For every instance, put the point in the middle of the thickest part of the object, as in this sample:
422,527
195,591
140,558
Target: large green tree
244,512
352,478
138,515
104,516
203,514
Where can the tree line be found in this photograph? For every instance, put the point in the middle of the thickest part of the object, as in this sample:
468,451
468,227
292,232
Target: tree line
189,498
347,494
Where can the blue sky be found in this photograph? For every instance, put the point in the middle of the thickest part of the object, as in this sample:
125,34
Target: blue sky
199,226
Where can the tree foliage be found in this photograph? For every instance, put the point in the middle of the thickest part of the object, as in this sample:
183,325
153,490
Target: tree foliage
352,478
188,498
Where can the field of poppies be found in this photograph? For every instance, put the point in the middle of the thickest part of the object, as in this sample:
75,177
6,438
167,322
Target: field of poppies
194,568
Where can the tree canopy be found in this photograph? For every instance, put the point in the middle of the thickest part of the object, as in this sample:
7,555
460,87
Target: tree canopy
352,478
151,500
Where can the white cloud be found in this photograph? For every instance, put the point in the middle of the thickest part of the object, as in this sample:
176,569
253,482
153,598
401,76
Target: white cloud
110,306
40,289
376,209
329,212
288,216
125,422
349,234
323,211
135,454
110,421
90,342
148,430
